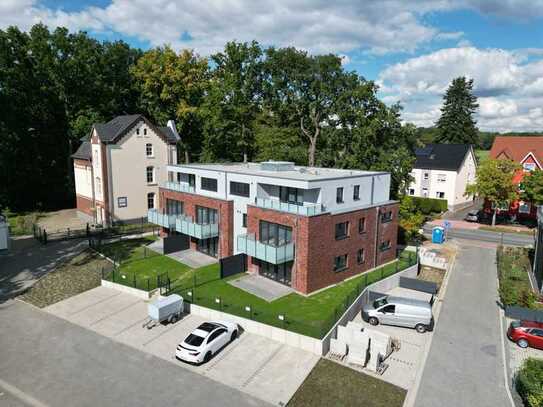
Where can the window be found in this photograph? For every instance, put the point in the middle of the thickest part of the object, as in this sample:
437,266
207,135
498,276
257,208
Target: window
441,177
528,166
150,173
149,150
361,225
388,309
192,180
179,177
339,195
537,332
274,234
122,202
205,216
440,195
151,200
244,221
524,207
291,195
98,185
386,217
215,335
411,191
360,256
342,230
426,175
356,192
144,131
340,263
209,184
239,188
138,131
174,207
385,246
425,192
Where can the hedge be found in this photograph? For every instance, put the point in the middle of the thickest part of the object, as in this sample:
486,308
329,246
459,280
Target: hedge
529,382
429,205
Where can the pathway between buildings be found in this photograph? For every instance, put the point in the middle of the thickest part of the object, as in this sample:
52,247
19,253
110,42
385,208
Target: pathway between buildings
465,363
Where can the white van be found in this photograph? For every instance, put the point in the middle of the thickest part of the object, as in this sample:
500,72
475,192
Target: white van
399,311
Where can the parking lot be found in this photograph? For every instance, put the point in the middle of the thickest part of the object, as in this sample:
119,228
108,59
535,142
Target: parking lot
259,366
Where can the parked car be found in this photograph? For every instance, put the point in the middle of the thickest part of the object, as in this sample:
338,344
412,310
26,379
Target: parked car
472,216
526,333
205,341
400,311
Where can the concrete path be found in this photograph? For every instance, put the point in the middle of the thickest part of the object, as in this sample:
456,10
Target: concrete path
47,361
465,366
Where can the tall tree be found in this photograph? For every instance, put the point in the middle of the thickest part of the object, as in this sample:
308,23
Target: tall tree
456,124
173,85
532,187
494,183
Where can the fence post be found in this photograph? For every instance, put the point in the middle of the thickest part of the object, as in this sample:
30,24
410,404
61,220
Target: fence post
148,285
397,266
135,285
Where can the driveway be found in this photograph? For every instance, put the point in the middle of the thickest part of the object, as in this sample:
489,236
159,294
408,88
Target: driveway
253,364
465,366
47,361
29,260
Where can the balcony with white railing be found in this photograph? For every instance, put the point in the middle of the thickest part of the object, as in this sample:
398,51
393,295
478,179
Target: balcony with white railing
272,254
305,209
186,225
161,219
179,187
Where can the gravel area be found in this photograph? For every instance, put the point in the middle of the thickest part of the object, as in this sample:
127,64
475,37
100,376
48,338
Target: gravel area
81,273
432,274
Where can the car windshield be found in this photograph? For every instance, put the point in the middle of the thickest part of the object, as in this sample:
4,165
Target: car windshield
380,302
194,340
473,213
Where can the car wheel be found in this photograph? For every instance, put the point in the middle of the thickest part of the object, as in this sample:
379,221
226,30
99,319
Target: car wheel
234,336
207,357
523,343
373,321
420,328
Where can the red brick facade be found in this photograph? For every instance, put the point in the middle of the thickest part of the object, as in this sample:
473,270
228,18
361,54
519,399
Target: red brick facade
224,208
84,205
316,246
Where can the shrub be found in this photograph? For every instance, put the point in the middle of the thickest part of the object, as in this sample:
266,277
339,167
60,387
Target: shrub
429,205
529,382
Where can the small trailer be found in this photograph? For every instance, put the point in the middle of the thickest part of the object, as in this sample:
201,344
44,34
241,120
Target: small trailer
167,309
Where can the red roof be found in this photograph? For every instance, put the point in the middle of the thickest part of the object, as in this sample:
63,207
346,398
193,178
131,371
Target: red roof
516,148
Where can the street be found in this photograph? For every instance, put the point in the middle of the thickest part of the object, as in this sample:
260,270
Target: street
511,239
47,361
465,366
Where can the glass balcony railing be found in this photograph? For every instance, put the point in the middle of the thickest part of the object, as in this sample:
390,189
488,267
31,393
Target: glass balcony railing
272,254
185,225
305,209
161,219
179,186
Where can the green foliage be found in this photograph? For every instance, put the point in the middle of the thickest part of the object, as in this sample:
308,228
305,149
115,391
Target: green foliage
532,185
456,124
529,382
411,219
513,267
429,205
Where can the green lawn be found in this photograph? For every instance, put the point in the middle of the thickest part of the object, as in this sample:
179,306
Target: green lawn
331,384
481,155
21,223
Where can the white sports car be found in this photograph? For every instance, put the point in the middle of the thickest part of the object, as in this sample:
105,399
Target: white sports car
205,341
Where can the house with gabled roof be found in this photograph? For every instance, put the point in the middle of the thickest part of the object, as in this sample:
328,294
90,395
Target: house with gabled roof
119,166
528,152
443,171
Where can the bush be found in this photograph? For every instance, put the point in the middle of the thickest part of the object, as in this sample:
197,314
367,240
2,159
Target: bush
430,205
529,382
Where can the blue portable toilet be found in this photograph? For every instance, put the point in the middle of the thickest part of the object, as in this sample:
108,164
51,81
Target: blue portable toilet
438,234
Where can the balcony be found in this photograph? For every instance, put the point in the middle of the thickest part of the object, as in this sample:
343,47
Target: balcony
179,186
305,209
161,219
185,225
272,254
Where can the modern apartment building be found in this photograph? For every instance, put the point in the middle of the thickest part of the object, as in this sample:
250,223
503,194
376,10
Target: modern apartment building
308,228
119,166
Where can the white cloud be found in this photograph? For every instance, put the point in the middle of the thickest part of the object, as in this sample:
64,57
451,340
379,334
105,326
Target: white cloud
508,83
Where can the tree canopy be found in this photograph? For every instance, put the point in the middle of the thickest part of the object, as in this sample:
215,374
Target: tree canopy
532,187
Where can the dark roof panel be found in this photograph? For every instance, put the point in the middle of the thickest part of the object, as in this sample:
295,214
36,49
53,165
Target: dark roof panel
113,130
448,157
83,152
170,136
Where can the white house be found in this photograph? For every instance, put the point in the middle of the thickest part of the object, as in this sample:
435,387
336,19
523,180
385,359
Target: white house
119,167
443,171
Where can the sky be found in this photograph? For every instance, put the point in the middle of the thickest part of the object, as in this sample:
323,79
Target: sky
411,48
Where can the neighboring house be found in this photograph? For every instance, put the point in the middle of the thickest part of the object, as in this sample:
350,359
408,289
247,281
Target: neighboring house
443,171
528,152
119,166
304,227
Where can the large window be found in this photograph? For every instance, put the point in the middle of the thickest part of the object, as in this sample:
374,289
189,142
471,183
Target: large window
151,200
386,217
274,234
342,230
339,195
206,216
149,152
209,184
356,192
239,188
340,263
291,195
174,207
150,175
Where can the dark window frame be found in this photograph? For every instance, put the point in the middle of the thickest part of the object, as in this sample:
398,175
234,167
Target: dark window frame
209,184
121,199
240,189
339,195
384,246
356,193
291,195
274,234
341,265
362,225
360,256
244,220
206,216
345,235
386,217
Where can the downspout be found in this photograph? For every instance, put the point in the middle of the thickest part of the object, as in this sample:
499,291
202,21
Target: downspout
377,218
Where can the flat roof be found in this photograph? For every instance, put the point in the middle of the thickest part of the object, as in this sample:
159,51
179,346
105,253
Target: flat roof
299,173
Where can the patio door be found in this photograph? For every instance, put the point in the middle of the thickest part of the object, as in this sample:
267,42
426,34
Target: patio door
282,273
208,246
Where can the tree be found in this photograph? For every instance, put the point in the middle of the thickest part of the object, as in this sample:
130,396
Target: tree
456,124
494,182
173,86
411,219
532,187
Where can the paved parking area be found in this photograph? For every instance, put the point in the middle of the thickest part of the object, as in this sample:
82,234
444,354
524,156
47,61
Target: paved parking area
253,364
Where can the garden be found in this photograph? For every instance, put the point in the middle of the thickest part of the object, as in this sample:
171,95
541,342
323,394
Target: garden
529,382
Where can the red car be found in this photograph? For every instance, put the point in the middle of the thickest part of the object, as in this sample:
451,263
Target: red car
526,333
